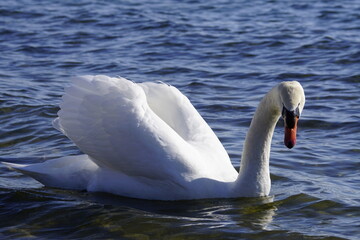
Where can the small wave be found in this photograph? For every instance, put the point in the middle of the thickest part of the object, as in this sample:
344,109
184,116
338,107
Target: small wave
20,14
37,49
326,125
291,76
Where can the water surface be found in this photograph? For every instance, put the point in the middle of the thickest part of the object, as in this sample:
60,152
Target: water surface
224,55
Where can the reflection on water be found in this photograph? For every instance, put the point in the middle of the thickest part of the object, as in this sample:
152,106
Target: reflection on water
251,213
113,215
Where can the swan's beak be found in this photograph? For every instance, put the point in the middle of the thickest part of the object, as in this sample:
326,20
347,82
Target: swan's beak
290,119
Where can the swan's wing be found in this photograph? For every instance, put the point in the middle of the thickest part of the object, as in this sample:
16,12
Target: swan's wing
145,130
177,111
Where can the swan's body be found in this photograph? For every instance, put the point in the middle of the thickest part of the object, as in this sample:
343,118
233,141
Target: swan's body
147,141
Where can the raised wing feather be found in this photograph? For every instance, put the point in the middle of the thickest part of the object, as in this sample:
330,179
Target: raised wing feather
177,111
149,129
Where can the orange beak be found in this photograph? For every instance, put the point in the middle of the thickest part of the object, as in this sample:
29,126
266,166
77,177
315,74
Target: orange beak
290,134
290,119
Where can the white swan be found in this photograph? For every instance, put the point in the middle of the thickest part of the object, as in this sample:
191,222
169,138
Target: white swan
147,141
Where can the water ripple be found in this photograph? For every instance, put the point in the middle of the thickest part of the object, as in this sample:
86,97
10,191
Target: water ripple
224,55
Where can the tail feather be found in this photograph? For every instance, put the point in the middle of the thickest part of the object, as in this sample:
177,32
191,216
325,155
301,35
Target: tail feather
72,172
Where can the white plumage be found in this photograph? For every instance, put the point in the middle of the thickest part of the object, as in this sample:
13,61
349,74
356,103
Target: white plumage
139,140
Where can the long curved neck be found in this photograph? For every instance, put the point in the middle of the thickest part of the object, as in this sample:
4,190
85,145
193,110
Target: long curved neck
254,175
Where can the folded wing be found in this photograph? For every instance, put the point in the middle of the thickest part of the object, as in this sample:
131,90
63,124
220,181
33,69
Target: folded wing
149,130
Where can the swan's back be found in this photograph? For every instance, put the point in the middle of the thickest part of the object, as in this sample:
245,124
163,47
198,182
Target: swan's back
147,130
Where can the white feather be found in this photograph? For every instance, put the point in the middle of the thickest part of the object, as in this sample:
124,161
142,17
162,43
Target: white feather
148,141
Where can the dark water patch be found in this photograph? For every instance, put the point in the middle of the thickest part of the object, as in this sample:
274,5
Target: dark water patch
297,76
70,64
82,19
11,13
172,70
326,43
225,108
353,58
28,49
296,201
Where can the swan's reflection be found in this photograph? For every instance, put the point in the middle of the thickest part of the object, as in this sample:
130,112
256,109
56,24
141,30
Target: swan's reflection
243,213
248,213
260,215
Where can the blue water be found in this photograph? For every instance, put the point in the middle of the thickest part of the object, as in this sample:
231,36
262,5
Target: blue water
224,55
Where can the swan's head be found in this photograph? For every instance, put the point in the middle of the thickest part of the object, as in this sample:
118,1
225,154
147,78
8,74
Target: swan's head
292,101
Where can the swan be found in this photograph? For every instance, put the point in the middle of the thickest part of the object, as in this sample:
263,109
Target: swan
146,140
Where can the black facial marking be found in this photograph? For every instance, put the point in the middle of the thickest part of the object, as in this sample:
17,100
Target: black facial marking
290,117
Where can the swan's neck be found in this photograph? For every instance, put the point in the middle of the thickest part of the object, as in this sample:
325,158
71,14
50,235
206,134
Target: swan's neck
254,175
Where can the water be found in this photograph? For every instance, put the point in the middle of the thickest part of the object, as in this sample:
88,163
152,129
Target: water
224,55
